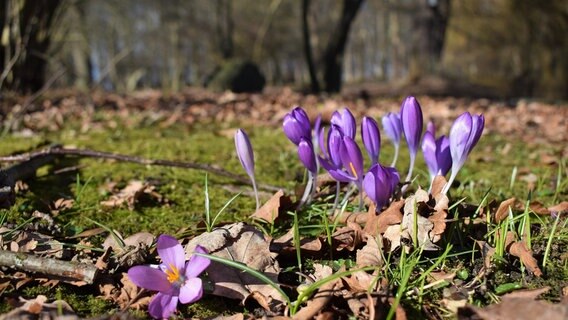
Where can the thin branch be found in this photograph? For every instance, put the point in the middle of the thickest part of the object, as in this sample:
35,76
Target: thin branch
69,271
57,150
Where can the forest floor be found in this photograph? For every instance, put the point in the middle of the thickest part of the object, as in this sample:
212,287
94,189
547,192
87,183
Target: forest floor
502,246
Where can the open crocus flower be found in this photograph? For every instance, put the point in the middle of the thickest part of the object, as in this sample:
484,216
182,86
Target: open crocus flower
345,121
412,123
393,130
464,134
246,156
436,152
371,138
352,160
296,125
380,183
175,280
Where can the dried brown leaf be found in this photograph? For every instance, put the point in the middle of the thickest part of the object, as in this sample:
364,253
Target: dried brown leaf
516,309
132,194
370,254
520,250
270,210
503,211
378,224
348,237
438,185
561,207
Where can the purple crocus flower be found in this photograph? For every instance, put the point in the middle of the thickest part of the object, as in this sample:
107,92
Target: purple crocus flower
244,152
412,123
297,125
436,154
371,138
307,155
464,134
246,156
380,183
175,280
345,121
393,130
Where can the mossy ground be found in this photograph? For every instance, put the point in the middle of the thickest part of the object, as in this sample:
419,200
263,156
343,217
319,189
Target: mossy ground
489,169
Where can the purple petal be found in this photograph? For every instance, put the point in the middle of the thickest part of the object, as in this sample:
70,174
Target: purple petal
345,120
371,138
196,264
394,178
341,176
296,125
191,291
244,151
307,155
171,252
477,124
443,156
412,122
352,158
334,142
318,129
392,127
459,137
431,127
378,185
149,278
429,153
163,306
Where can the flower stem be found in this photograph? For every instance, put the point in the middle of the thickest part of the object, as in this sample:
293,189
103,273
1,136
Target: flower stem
307,191
450,181
336,201
396,147
255,192
409,175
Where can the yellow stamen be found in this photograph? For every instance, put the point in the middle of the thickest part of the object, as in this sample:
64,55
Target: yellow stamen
172,273
353,170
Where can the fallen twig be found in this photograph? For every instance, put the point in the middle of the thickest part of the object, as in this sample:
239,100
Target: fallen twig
66,270
57,150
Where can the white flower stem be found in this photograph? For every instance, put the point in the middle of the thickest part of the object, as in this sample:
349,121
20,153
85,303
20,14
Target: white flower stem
395,158
255,192
336,201
307,191
409,175
450,181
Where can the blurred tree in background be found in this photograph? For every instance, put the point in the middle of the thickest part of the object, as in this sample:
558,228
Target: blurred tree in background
512,47
27,27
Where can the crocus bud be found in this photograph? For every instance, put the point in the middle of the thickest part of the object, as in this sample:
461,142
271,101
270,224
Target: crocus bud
371,138
429,153
379,184
307,155
464,134
412,123
392,127
297,125
430,127
345,120
244,152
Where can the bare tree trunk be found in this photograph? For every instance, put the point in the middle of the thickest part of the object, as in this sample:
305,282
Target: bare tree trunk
29,26
430,26
334,52
314,83
225,28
